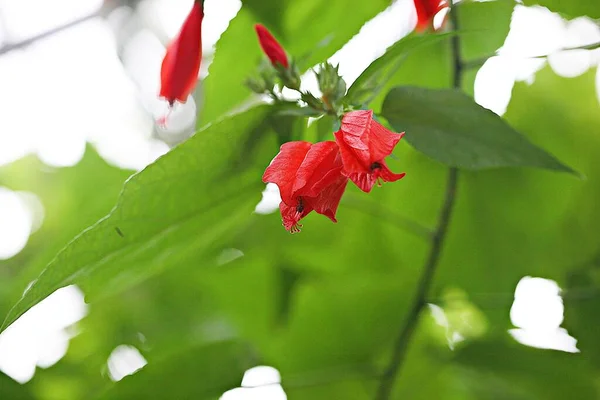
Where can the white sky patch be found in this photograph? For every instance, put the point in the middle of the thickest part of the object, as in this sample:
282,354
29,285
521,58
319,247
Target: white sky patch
259,383
270,200
40,337
16,221
535,31
538,313
27,18
124,360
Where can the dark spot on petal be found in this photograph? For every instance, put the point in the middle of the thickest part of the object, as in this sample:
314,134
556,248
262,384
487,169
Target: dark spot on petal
375,166
300,206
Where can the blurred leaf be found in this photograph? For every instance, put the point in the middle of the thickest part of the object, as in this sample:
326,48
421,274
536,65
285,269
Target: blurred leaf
267,14
380,71
582,302
204,372
168,214
570,8
305,26
451,128
489,21
11,390
73,199
511,368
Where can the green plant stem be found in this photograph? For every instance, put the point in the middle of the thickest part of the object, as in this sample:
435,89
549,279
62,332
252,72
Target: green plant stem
390,374
480,61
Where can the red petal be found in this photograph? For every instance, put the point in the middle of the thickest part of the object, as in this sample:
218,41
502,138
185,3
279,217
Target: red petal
387,175
180,67
271,46
426,10
364,180
284,168
382,141
318,170
363,141
327,202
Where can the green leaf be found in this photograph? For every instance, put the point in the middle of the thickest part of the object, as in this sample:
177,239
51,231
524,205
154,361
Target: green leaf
170,213
491,22
12,390
569,8
525,373
380,71
451,128
203,372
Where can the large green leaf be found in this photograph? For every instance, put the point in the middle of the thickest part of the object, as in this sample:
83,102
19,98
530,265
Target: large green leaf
489,23
570,8
168,214
510,370
303,33
451,128
12,390
203,372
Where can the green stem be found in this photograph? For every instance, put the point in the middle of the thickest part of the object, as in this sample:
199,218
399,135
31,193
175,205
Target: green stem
390,374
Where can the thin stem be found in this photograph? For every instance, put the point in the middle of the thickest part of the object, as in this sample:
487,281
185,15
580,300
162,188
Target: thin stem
480,61
404,337
403,340
103,10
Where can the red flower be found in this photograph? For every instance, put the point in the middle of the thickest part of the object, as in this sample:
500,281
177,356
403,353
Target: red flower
271,46
180,67
426,10
309,177
363,144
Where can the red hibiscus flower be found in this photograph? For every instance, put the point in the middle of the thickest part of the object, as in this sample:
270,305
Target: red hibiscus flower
426,10
309,177
271,46
179,71
364,144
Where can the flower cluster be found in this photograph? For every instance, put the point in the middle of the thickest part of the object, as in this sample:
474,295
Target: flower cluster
314,176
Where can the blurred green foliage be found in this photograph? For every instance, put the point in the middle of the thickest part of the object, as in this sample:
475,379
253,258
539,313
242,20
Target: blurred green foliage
324,306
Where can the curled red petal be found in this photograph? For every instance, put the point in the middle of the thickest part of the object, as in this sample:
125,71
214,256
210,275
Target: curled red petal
318,169
181,64
271,46
327,202
283,169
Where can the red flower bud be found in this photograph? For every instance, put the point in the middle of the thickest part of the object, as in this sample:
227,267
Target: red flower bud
309,177
426,10
364,143
271,46
180,67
